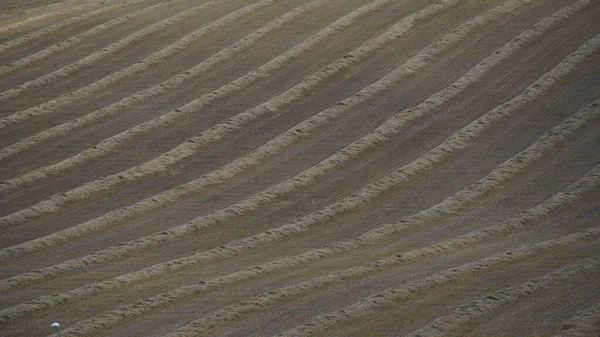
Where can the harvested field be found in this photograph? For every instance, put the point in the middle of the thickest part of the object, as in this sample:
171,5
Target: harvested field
300,168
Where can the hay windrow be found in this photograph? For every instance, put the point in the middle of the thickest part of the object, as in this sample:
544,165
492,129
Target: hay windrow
584,323
187,148
154,58
98,55
53,203
107,7
457,141
48,12
450,205
559,201
375,302
170,84
112,144
23,62
446,324
499,157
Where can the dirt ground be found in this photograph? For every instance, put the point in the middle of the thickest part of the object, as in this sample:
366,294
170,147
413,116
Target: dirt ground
300,168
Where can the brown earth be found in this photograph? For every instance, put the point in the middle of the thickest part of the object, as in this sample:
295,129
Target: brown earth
296,167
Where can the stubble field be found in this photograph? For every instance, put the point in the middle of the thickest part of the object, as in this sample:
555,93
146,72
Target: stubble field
300,168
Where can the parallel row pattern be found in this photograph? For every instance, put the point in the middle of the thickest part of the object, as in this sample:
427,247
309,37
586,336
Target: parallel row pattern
300,168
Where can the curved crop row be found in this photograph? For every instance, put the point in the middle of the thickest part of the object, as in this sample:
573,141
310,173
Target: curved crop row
51,204
350,202
259,302
444,325
457,163
156,57
184,150
103,52
113,143
455,142
127,102
48,13
11,67
559,201
370,305
449,205
583,324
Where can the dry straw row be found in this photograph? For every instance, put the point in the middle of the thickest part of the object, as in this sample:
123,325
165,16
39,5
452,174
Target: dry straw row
457,141
154,58
260,302
112,144
584,323
448,206
26,16
105,51
526,219
445,325
359,198
170,84
53,203
35,35
189,147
